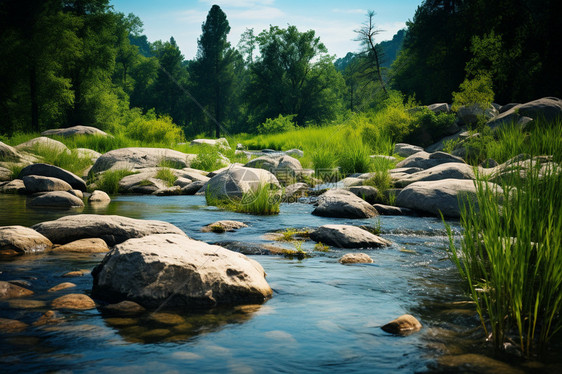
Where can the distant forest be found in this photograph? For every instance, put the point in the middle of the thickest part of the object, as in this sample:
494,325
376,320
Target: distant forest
68,62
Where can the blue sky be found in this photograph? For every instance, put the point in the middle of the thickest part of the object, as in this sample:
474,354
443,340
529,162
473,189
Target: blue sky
333,20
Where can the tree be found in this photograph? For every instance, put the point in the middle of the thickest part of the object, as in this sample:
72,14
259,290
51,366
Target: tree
372,52
213,67
293,75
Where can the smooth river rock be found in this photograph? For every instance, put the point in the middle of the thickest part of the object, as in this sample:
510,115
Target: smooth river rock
75,130
57,199
89,245
403,325
112,229
224,225
356,258
426,160
23,240
46,170
11,291
450,170
439,196
140,158
43,142
235,181
99,197
8,153
346,236
36,183
178,272
406,150
343,204
73,301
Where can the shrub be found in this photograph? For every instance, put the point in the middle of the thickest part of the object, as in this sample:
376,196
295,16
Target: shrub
262,201
208,158
151,128
476,91
319,247
277,125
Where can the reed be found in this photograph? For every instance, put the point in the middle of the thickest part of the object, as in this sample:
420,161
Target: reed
511,257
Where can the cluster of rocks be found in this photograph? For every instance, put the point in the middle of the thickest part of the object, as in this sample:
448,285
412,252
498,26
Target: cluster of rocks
152,263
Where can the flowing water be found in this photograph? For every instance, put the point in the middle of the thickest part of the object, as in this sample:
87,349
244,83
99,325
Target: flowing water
323,316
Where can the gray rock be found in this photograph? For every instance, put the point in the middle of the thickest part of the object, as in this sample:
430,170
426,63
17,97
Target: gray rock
13,187
507,107
294,153
356,258
79,194
175,271
282,166
193,174
112,229
351,181
140,158
54,172
368,193
453,170
440,108
345,236
57,199
439,196
471,114
8,153
389,210
75,130
426,160
5,174
253,249
296,191
440,145
144,182
193,188
182,182
405,150
235,181
23,240
548,108
221,142
343,204
223,226
37,183
42,142
99,197
170,191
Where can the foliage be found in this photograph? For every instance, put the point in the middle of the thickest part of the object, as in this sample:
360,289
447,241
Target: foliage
477,91
108,181
152,128
510,256
262,201
208,158
354,158
167,175
68,160
276,125
319,247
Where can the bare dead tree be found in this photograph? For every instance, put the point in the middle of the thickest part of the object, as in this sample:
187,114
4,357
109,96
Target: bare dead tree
366,35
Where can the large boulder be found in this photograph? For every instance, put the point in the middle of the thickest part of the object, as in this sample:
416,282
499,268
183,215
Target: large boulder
405,150
140,158
236,181
368,193
46,170
193,174
5,174
433,197
99,197
15,186
471,114
75,130
175,271
8,153
57,199
112,229
37,183
345,236
87,153
548,108
452,170
438,108
42,142
283,166
343,204
144,182
22,240
426,160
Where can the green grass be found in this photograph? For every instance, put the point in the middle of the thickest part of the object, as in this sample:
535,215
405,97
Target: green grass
70,161
262,201
208,158
511,258
15,169
109,180
320,247
167,175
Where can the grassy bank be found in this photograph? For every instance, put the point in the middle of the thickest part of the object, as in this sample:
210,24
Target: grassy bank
511,257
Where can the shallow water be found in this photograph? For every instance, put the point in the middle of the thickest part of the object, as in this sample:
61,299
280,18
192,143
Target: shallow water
323,316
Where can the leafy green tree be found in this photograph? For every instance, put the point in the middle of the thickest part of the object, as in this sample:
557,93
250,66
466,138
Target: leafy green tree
214,68
293,75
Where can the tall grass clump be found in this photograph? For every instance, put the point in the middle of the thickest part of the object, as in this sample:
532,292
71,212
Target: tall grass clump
109,180
208,158
167,175
354,157
68,160
511,257
262,201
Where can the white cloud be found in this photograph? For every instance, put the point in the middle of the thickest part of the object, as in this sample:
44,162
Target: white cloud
191,15
262,13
